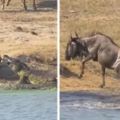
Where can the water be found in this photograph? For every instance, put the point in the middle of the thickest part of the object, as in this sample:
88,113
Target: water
28,105
86,106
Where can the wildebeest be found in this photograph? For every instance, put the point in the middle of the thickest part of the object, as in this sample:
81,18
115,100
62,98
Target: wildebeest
98,47
7,2
17,66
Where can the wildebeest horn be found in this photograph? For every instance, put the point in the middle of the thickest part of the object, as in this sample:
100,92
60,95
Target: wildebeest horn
76,34
71,36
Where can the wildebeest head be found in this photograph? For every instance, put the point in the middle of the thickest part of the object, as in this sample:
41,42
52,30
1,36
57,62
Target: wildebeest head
75,47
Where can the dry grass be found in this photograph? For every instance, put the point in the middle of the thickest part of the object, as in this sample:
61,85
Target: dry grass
85,16
14,42
30,33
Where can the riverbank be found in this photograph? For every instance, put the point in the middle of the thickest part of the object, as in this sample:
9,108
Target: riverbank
29,36
16,86
91,80
104,94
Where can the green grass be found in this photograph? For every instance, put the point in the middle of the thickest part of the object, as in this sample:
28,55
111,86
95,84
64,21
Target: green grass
37,80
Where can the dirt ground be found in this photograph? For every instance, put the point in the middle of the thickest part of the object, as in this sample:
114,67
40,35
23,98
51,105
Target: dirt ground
30,33
26,32
85,17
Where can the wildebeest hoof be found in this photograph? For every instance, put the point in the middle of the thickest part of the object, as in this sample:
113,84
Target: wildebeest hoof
80,76
102,86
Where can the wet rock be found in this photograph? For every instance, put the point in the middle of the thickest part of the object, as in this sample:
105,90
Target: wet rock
6,73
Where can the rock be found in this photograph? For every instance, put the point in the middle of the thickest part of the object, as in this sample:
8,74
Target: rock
19,29
6,73
34,33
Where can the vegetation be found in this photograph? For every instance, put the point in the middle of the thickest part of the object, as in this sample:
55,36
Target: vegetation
86,16
31,35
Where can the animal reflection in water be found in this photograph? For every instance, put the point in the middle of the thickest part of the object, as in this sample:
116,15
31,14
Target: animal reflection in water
7,2
97,47
17,66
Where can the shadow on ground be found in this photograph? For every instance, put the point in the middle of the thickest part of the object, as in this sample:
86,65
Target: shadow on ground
42,6
48,4
65,72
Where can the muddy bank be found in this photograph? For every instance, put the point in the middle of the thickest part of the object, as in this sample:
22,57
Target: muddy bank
16,86
99,94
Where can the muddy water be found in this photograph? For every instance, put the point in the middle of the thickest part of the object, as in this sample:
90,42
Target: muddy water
89,106
28,105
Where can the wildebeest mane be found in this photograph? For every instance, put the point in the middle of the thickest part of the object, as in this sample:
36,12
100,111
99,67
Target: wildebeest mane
99,33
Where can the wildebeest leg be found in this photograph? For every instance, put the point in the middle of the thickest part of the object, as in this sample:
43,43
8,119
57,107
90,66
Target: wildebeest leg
3,4
118,71
8,2
103,77
24,3
83,65
34,5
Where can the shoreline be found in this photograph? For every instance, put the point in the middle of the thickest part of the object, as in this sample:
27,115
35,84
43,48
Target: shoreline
17,86
107,92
